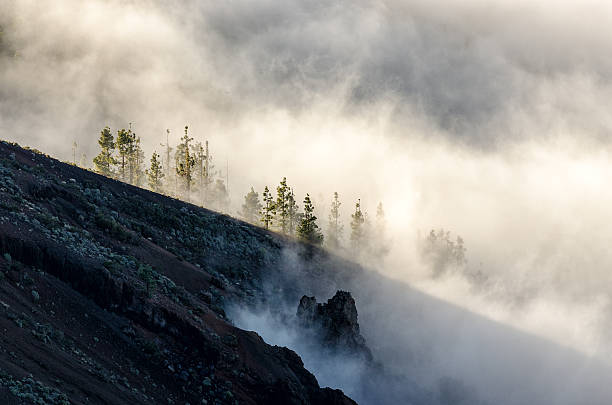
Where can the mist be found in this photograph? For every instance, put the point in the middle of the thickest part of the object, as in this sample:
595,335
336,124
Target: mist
488,119
426,350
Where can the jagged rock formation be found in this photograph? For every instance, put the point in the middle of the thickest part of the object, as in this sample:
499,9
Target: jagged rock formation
336,321
111,294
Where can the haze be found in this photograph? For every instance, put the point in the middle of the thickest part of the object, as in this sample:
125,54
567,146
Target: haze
490,119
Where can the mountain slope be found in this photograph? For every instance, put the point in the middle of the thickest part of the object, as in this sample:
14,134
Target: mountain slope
79,324
113,294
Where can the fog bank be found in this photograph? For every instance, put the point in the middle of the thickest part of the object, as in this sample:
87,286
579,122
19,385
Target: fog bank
488,119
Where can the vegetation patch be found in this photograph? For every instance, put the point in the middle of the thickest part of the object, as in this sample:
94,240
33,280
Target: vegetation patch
29,390
113,228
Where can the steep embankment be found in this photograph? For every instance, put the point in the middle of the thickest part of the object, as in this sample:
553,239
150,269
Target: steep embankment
113,294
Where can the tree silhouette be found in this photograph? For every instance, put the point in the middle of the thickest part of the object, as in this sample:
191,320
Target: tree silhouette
137,158
292,210
282,206
186,162
105,161
155,173
335,227
268,210
125,147
357,231
251,207
308,230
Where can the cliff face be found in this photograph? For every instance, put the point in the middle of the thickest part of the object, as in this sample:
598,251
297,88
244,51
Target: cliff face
335,322
113,294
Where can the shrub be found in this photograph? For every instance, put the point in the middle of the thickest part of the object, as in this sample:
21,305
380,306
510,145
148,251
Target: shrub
147,275
114,229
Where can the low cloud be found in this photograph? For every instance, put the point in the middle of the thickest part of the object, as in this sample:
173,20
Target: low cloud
488,119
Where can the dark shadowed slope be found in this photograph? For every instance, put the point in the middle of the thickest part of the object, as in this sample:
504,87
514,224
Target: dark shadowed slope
78,253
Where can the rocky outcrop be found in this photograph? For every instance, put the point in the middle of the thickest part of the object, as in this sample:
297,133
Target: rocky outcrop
335,322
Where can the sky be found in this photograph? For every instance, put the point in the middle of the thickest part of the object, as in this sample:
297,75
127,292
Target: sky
490,119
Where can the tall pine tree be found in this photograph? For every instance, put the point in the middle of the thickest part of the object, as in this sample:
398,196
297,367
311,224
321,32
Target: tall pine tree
198,155
167,164
268,210
378,243
293,212
83,163
335,227
125,147
137,174
105,161
282,206
219,196
208,175
155,173
186,162
251,207
308,230
74,152
357,225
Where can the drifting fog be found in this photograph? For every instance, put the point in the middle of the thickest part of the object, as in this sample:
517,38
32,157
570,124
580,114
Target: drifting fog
490,119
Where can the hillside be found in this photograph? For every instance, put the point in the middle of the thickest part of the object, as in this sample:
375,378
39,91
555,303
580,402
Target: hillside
114,294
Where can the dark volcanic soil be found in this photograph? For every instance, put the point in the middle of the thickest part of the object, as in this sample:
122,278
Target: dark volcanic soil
78,325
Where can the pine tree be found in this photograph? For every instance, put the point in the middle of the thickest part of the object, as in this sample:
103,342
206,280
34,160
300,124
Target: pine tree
459,252
198,155
367,245
168,150
357,225
166,162
308,230
335,228
282,206
268,210
155,174
251,207
220,196
83,162
185,162
209,174
137,173
294,215
380,242
442,252
125,147
105,161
